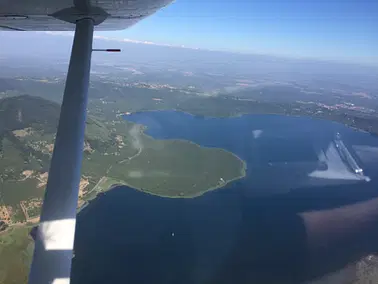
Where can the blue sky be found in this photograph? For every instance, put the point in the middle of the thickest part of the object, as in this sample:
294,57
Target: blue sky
327,29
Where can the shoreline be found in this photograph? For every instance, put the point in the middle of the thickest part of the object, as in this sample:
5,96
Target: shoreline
375,134
143,129
117,182
243,171
242,175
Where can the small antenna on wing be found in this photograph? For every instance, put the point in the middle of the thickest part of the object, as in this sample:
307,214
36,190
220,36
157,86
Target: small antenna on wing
108,50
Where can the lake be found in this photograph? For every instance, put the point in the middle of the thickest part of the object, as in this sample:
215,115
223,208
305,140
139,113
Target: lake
246,231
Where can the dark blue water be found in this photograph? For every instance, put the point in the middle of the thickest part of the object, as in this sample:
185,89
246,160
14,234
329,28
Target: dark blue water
277,161
247,232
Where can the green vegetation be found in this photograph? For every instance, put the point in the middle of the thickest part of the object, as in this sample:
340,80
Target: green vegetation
104,184
107,183
16,250
34,212
15,191
177,168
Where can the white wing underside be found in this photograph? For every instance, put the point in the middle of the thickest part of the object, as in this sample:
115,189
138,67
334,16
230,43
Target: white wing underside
37,15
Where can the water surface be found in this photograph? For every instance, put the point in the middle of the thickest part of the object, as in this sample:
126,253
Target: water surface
246,232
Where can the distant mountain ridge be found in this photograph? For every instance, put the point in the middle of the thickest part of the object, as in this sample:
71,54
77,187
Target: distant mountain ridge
27,111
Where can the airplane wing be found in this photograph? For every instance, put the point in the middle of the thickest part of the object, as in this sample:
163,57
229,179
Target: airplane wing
46,15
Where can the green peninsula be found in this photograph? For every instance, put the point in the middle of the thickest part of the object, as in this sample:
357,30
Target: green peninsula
114,149
175,168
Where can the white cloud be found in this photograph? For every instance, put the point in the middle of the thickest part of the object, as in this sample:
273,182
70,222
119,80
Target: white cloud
59,33
133,41
116,39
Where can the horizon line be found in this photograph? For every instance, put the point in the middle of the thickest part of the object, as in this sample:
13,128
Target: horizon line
280,56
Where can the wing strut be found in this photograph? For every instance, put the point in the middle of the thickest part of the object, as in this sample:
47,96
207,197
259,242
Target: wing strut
55,235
